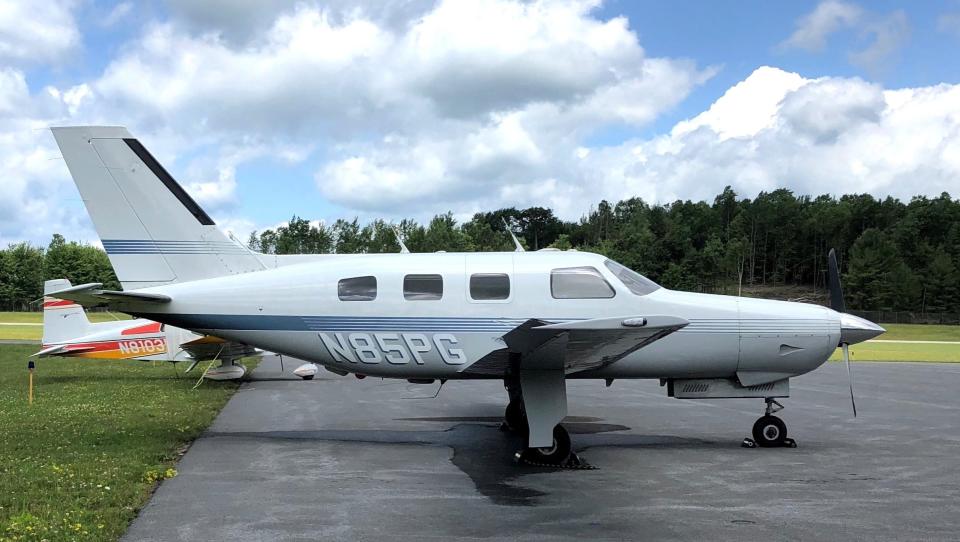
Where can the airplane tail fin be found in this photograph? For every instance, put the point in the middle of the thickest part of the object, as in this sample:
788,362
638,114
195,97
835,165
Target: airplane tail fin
152,230
63,320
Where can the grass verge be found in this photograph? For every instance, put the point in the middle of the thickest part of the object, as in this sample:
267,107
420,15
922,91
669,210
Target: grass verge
80,462
870,351
32,331
21,333
920,332
37,317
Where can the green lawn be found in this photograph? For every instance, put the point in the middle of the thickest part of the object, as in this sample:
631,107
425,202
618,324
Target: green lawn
22,333
918,332
80,462
34,332
871,351
880,351
37,317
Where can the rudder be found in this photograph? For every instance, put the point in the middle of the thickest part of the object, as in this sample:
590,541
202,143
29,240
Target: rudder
152,230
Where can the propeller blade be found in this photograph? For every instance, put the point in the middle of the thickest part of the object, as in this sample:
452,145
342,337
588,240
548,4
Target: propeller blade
192,365
836,292
846,360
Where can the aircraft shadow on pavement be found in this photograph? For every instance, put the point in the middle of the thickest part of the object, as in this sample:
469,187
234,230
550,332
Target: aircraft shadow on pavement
484,452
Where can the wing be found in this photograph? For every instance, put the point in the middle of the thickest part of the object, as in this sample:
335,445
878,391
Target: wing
93,295
581,345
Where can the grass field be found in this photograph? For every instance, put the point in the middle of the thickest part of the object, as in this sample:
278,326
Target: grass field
884,351
37,317
80,462
32,330
871,351
918,332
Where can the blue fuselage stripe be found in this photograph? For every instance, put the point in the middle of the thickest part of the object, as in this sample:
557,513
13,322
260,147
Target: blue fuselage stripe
256,322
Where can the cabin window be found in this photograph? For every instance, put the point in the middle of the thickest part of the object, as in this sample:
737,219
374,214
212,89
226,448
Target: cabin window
357,289
579,283
634,281
422,287
489,286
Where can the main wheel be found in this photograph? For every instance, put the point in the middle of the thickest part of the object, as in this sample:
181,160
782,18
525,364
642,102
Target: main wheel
515,417
769,432
556,454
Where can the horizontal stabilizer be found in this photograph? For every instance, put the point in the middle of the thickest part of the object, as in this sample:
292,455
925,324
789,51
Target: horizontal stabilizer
92,295
61,349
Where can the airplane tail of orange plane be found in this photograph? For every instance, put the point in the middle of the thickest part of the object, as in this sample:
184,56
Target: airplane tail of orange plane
62,319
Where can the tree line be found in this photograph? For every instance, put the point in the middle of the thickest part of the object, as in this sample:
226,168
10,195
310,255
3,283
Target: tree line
893,255
24,267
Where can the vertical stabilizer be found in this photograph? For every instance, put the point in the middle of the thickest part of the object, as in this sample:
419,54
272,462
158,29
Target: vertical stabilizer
152,230
63,320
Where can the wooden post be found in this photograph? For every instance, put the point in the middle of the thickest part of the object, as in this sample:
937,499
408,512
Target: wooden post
30,366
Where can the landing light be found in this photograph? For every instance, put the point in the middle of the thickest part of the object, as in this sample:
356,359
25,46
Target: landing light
634,322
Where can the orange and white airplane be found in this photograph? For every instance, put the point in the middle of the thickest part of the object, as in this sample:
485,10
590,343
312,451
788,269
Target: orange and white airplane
67,332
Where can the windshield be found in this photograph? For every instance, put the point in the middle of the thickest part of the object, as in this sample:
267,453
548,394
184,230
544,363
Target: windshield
634,281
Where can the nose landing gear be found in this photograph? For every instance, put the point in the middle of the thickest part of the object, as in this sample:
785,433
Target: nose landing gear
769,431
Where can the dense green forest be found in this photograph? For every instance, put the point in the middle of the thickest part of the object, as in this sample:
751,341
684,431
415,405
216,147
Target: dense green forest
893,255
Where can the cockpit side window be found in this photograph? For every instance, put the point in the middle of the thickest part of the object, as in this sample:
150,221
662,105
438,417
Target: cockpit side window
357,289
634,281
579,283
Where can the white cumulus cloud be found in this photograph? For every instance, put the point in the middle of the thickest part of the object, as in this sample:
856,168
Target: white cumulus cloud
35,32
464,105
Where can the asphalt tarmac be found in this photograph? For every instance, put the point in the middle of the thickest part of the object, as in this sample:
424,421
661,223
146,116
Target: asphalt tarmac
338,458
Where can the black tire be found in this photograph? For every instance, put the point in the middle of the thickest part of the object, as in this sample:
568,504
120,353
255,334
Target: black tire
515,417
308,377
769,432
556,454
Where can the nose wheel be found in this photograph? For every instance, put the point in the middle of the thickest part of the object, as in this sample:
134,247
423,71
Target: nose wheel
769,431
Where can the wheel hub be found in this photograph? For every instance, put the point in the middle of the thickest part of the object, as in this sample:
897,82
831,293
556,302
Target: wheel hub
771,432
548,451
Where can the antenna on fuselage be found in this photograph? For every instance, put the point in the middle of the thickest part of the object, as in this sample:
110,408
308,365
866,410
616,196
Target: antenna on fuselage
403,247
516,242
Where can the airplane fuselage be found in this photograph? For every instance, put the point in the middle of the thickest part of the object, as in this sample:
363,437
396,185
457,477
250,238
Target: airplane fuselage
444,330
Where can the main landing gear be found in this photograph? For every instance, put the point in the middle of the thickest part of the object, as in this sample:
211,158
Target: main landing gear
769,431
560,451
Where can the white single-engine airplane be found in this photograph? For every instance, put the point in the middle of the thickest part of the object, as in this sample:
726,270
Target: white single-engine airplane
531,319
67,332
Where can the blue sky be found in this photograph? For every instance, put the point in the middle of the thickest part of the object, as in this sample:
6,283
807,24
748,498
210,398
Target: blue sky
740,36
395,109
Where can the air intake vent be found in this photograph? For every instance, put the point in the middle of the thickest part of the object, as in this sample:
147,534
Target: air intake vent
718,388
761,387
698,387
